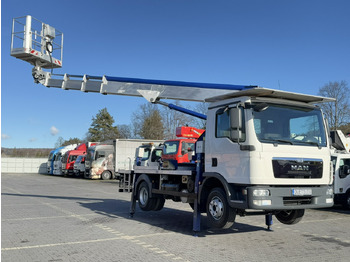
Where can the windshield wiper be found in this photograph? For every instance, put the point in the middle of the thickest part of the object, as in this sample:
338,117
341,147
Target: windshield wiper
313,143
285,141
278,140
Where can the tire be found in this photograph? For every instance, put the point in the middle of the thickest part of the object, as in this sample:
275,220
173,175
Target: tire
290,217
159,203
106,175
145,202
219,213
346,203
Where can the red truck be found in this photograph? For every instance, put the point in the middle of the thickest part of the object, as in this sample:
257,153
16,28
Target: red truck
180,150
69,158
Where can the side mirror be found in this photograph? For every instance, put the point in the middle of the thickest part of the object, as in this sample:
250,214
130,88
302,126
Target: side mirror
236,123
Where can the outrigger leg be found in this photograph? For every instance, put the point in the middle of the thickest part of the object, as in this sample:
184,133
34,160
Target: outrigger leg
133,199
268,221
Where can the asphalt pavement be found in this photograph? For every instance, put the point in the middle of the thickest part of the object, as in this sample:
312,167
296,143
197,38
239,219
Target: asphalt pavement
51,218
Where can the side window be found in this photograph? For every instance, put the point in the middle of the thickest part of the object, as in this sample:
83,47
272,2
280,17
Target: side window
223,125
342,163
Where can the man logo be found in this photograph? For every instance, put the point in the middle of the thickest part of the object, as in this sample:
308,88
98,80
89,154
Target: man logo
299,168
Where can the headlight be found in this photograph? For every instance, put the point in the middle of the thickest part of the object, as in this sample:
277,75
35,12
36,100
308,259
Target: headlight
261,192
329,191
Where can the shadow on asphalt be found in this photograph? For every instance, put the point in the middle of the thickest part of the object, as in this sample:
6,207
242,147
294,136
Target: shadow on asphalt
336,209
168,219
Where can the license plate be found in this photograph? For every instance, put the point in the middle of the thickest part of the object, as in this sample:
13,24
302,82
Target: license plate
301,192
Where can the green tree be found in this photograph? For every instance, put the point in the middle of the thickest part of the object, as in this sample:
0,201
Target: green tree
102,128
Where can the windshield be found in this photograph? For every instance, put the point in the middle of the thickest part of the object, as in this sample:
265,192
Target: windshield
90,154
50,157
146,154
171,147
72,158
290,125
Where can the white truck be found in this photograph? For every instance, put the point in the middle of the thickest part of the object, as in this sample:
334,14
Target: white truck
104,160
79,166
265,151
148,155
341,168
57,164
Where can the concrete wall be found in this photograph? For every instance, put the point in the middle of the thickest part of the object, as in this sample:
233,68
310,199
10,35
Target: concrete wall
24,165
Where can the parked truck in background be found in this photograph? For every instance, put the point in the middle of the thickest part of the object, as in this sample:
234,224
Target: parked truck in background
341,168
149,154
99,162
70,156
79,166
50,161
53,156
103,160
57,163
180,150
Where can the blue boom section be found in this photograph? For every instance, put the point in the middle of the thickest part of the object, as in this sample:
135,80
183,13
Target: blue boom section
178,83
183,110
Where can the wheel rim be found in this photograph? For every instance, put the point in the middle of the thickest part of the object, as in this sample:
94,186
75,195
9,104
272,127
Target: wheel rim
216,208
285,213
348,200
143,197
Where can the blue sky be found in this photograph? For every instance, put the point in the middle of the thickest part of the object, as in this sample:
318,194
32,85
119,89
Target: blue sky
296,46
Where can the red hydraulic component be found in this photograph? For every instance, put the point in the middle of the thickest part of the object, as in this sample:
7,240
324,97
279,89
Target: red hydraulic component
189,132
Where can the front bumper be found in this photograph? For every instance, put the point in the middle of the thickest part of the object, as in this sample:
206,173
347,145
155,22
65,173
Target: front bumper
287,198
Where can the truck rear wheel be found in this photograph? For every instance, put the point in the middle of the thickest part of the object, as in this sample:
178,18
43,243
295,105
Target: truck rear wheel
220,214
146,203
159,204
290,217
106,175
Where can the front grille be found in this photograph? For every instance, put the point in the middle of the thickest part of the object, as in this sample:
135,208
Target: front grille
297,168
292,201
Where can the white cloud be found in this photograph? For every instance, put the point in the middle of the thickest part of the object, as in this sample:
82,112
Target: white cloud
5,136
54,131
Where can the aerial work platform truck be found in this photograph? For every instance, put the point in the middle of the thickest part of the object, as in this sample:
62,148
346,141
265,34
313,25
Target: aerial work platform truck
264,151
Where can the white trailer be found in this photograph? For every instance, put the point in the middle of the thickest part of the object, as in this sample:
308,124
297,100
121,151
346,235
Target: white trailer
104,160
341,168
264,150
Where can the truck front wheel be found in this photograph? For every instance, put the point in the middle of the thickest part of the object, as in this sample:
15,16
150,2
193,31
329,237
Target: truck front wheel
220,214
146,203
346,203
290,217
106,175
